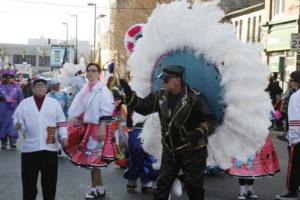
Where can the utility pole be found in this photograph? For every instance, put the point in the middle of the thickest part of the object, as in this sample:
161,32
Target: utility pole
65,59
93,4
76,44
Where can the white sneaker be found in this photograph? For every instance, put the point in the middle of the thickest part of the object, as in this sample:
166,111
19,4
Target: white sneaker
91,194
251,195
101,191
241,197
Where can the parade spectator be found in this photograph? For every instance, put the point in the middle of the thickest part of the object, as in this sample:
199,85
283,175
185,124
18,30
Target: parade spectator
42,122
93,102
188,154
292,88
274,89
10,96
27,88
60,96
293,175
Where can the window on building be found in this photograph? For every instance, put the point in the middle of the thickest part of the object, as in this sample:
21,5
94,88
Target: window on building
236,25
248,29
17,59
44,61
254,29
57,56
259,29
240,29
278,7
30,60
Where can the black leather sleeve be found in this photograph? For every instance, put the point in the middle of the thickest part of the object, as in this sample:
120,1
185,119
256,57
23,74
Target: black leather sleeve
206,119
145,105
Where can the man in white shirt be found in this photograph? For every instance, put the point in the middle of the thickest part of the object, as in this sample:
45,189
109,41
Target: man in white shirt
293,176
42,121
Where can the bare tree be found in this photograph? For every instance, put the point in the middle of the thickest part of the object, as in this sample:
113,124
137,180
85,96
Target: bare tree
126,14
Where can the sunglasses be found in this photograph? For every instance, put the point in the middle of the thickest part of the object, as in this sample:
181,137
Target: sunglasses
91,70
166,79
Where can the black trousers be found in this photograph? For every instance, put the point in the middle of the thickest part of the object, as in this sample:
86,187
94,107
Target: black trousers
293,176
31,164
243,181
192,163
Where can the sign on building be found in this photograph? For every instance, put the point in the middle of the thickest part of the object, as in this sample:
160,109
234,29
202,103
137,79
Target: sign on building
295,42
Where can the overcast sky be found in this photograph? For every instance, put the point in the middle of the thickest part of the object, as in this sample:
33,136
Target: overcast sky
23,19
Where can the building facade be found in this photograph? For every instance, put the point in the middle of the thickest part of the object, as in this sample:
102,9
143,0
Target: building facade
41,54
282,20
247,22
38,56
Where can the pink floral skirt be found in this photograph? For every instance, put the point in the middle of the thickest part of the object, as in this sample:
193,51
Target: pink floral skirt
264,163
85,148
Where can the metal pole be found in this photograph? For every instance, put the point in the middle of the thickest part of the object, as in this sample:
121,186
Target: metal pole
95,34
93,4
76,40
67,39
76,44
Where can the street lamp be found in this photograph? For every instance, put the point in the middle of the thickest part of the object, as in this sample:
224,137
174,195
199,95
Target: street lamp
93,4
64,23
76,45
66,50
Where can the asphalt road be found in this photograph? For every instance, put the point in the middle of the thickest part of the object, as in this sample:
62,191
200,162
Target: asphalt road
73,182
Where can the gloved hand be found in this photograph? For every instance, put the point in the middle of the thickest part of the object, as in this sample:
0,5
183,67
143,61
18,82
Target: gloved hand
197,137
126,88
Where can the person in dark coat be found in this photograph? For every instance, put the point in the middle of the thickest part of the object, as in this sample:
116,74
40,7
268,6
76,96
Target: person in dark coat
186,122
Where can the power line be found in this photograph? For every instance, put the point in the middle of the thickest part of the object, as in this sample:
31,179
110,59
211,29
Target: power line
43,12
79,6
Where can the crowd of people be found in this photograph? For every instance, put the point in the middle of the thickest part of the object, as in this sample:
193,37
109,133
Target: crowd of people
96,126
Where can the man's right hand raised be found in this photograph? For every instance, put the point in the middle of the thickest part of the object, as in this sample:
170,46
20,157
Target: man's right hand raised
126,88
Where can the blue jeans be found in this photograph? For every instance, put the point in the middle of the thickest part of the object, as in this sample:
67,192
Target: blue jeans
12,141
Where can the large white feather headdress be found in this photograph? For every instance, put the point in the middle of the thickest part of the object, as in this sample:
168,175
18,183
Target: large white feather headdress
174,26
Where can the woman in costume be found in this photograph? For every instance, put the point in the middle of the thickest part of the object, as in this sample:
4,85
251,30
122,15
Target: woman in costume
217,64
120,114
85,147
263,163
10,97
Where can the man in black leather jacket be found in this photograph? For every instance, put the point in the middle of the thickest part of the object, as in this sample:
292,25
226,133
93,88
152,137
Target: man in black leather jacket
186,122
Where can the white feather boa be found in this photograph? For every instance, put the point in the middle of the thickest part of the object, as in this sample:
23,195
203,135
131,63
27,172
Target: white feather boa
68,71
246,121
